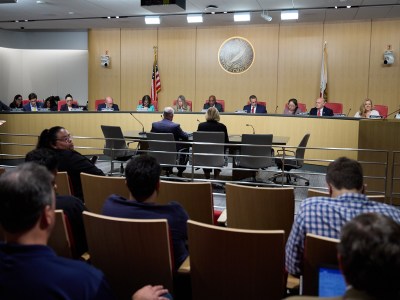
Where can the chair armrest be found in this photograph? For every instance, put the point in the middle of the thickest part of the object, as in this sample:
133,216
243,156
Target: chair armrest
185,266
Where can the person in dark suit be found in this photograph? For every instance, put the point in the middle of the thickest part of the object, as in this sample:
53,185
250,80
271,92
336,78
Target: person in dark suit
69,105
212,124
212,102
33,104
253,107
3,106
320,109
166,125
109,104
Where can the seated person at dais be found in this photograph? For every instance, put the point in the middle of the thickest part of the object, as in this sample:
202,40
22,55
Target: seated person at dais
253,107
212,102
181,104
146,104
108,105
33,104
292,108
69,104
50,104
320,109
366,110
17,102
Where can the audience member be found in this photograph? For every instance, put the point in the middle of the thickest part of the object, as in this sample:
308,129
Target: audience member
27,217
143,180
33,104
212,102
146,104
3,107
292,107
166,125
50,104
212,124
72,207
17,102
181,104
69,103
59,139
369,258
325,216
108,105
320,109
366,110
253,107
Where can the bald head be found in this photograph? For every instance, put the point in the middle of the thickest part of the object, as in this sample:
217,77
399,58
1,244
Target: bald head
109,102
320,103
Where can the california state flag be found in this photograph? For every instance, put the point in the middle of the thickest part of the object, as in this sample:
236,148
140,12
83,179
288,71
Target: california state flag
324,74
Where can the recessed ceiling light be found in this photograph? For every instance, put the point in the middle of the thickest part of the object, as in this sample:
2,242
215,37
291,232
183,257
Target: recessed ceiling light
108,17
71,13
290,15
241,17
40,2
151,20
196,18
117,17
348,6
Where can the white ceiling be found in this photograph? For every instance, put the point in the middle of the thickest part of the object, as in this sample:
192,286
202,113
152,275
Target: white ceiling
83,14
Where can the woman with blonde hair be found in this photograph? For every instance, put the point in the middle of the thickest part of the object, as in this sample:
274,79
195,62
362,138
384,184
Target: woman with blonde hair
212,124
181,104
366,110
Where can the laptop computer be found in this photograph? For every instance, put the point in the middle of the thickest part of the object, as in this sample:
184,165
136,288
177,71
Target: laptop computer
331,282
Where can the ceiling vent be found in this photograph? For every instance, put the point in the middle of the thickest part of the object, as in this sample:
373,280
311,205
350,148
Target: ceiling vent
163,6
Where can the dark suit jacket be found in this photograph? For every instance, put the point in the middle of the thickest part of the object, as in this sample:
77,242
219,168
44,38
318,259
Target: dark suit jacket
3,106
260,109
27,107
326,112
215,127
64,107
218,106
167,126
103,105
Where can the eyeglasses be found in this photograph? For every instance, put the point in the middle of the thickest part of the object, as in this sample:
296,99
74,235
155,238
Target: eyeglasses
66,139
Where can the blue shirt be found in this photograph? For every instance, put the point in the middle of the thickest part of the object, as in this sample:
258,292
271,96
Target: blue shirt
325,216
36,272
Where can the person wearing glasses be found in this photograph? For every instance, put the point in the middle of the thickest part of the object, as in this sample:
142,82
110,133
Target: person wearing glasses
17,103
69,104
59,140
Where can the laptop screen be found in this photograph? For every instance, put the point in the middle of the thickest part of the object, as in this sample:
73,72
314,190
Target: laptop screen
330,282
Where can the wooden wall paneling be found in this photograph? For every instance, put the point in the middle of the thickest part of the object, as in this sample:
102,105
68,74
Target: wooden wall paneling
384,85
348,47
299,70
137,59
177,64
104,82
235,89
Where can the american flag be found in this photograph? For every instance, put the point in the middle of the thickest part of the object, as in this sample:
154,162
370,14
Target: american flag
155,81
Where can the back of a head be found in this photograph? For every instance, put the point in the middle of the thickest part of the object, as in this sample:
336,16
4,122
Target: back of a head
212,114
44,157
48,137
142,176
345,173
168,112
24,191
370,254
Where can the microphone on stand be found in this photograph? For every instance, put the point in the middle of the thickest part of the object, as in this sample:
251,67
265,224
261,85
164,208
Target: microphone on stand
392,113
254,132
276,109
348,112
143,132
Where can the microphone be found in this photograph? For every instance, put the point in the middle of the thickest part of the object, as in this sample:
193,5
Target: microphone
254,132
276,109
348,112
392,113
143,132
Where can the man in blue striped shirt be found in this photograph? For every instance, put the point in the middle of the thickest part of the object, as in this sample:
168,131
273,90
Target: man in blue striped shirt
326,216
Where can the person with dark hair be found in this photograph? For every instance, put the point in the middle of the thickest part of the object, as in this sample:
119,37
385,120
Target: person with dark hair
3,106
292,107
69,104
28,267
146,104
166,125
253,107
59,140
108,105
72,206
143,180
369,258
17,102
212,102
50,104
326,216
33,104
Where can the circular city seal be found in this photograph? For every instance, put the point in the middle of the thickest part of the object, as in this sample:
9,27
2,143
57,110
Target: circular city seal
236,55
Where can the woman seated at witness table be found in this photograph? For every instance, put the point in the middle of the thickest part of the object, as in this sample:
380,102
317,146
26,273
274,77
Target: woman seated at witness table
366,110
17,102
181,104
59,139
213,124
50,104
146,104
292,107
69,103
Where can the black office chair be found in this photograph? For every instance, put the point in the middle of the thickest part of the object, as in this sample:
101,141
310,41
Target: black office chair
290,162
116,147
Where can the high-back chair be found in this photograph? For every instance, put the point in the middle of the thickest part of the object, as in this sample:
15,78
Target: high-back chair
382,109
259,208
63,184
132,253
336,107
61,239
195,197
318,250
98,102
116,146
228,263
97,188
209,154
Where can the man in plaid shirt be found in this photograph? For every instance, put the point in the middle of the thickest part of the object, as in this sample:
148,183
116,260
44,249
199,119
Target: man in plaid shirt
325,216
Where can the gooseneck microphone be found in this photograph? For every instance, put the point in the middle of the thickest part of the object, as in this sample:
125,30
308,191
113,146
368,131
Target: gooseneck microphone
276,109
348,112
254,132
143,132
392,113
